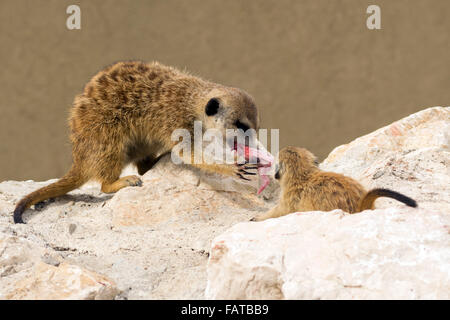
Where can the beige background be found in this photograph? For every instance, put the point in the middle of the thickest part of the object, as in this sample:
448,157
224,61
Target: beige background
317,73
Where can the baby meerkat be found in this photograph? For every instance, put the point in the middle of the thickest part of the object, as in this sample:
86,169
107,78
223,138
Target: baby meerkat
304,187
127,113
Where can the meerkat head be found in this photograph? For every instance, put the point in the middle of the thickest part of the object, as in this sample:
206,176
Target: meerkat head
294,164
231,108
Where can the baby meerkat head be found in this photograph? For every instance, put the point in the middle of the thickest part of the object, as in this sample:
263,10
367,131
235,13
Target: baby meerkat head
231,108
294,163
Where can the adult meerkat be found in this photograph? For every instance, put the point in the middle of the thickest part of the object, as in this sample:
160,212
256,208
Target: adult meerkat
304,187
127,113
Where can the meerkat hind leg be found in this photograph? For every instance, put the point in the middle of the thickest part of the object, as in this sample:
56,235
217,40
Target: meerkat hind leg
109,175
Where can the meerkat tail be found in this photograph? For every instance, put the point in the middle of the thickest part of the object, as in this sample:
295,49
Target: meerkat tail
370,197
71,180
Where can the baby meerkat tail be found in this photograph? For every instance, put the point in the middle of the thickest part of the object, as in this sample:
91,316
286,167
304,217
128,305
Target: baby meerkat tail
71,180
368,200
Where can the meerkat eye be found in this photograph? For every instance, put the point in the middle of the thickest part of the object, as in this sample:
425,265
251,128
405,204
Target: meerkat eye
277,171
212,107
241,125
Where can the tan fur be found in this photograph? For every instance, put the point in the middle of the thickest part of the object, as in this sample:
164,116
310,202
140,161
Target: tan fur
127,113
304,187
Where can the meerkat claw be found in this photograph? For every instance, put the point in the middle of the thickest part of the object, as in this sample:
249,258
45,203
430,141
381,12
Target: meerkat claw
246,172
136,183
242,177
248,167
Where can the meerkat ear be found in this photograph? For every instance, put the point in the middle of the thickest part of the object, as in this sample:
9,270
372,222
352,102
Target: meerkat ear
212,107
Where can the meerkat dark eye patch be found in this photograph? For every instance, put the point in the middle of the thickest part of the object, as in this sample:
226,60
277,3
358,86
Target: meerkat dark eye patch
212,107
241,125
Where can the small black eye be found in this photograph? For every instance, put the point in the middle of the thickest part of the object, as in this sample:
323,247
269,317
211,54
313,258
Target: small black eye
241,125
212,107
277,172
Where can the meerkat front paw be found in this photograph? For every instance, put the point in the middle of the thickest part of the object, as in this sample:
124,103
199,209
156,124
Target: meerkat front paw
133,181
128,181
242,170
273,213
258,218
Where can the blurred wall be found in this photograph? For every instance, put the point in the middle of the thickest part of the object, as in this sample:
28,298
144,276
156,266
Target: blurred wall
317,73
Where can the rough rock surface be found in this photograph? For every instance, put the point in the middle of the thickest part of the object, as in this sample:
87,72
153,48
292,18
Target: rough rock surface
411,155
390,253
151,241
394,252
29,271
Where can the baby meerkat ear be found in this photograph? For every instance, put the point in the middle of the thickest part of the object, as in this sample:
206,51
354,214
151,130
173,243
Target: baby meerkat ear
212,107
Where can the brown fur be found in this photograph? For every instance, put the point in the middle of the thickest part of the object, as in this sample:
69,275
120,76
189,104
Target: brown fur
127,113
304,187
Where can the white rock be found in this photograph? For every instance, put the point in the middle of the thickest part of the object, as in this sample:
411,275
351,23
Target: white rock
28,271
429,128
64,281
171,191
382,254
411,156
